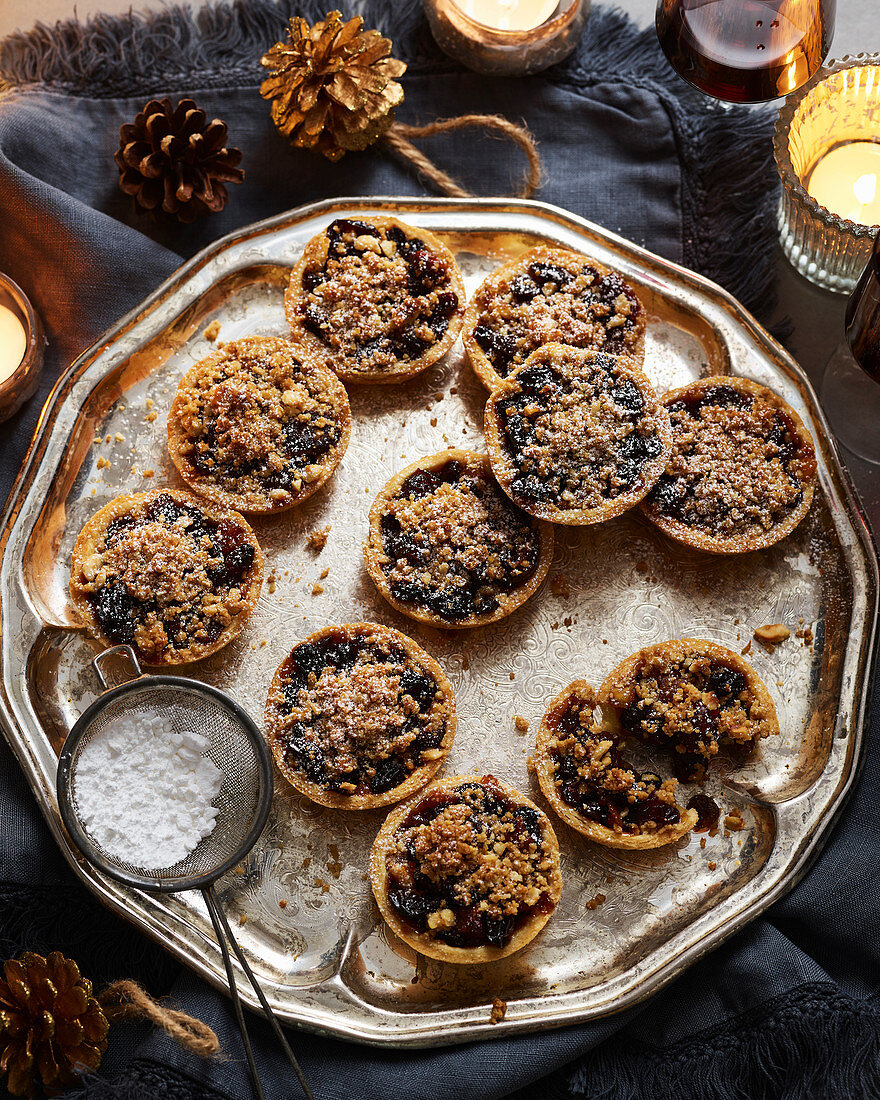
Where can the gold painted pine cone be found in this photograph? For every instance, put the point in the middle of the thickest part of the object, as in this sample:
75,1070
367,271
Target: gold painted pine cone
333,86
174,163
51,1027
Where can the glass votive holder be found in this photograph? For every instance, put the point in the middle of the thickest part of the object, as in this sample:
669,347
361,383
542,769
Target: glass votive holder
840,105
21,334
501,52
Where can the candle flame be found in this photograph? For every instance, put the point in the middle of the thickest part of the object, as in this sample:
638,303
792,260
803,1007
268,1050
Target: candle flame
865,188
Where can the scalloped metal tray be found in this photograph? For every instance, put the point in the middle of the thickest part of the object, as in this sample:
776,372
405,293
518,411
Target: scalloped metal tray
627,922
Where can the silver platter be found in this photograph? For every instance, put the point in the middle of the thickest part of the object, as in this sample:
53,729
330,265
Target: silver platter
627,922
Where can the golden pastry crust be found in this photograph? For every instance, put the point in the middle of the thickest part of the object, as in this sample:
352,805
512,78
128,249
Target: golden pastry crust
491,858
521,306
584,778
576,436
447,547
742,468
691,696
375,300
173,576
255,427
359,716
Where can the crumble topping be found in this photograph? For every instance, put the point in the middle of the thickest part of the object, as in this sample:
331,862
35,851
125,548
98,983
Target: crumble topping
377,296
691,704
553,295
591,776
576,427
453,542
469,865
254,421
738,466
166,578
355,713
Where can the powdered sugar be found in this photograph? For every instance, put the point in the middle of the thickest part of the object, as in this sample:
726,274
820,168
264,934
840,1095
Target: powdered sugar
144,790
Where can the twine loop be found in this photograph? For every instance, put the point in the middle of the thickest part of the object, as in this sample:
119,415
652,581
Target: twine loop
125,1000
397,138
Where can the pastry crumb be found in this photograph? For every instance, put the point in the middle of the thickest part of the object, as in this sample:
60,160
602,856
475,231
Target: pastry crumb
772,635
282,904
747,648
151,416
595,902
734,820
712,864
317,589
270,583
522,724
212,331
150,473
499,1010
102,463
119,437
317,539
324,573
243,918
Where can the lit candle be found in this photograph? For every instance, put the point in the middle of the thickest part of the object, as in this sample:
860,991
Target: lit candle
846,181
13,343
509,15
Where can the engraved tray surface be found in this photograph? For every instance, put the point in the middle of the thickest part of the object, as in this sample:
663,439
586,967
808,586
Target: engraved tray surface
326,960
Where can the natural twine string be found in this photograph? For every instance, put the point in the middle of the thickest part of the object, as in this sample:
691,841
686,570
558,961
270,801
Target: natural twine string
397,139
125,1000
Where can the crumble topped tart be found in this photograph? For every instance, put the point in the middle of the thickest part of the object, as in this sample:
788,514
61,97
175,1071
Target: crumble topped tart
549,295
359,716
576,436
691,696
255,427
375,300
742,469
587,781
467,871
447,547
171,575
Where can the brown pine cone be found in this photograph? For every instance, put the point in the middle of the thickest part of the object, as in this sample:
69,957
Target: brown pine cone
51,1027
333,85
174,163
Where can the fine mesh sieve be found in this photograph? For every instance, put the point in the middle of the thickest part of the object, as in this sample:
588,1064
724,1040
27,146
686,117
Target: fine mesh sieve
237,748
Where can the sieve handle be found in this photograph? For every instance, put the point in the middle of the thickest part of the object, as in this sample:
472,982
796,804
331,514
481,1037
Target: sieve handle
117,651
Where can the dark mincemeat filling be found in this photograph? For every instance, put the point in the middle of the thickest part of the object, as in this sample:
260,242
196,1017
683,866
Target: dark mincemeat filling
673,496
476,594
643,720
340,652
596,802
501,344
119,613
426,271
518,432
473,927
303,441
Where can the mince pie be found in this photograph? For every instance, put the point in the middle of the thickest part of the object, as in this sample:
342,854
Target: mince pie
375,300
170,575
467,871
576,436
690,696
742,469
256,428
550,295
592,787
359,716
447,547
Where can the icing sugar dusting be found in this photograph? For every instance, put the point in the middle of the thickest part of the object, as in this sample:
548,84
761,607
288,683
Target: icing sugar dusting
144,790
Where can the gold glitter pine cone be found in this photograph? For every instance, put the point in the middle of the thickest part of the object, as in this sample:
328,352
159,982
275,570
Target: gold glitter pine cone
51,1027
174,163
333,86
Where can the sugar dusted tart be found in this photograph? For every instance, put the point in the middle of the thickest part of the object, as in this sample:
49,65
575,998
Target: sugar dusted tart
587,781
690,696
742,468
359,716
576,436
375,300
550,295
173,576
257,428
467,871
448,547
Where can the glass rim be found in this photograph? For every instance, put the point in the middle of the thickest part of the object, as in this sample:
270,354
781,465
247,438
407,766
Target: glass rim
790,179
